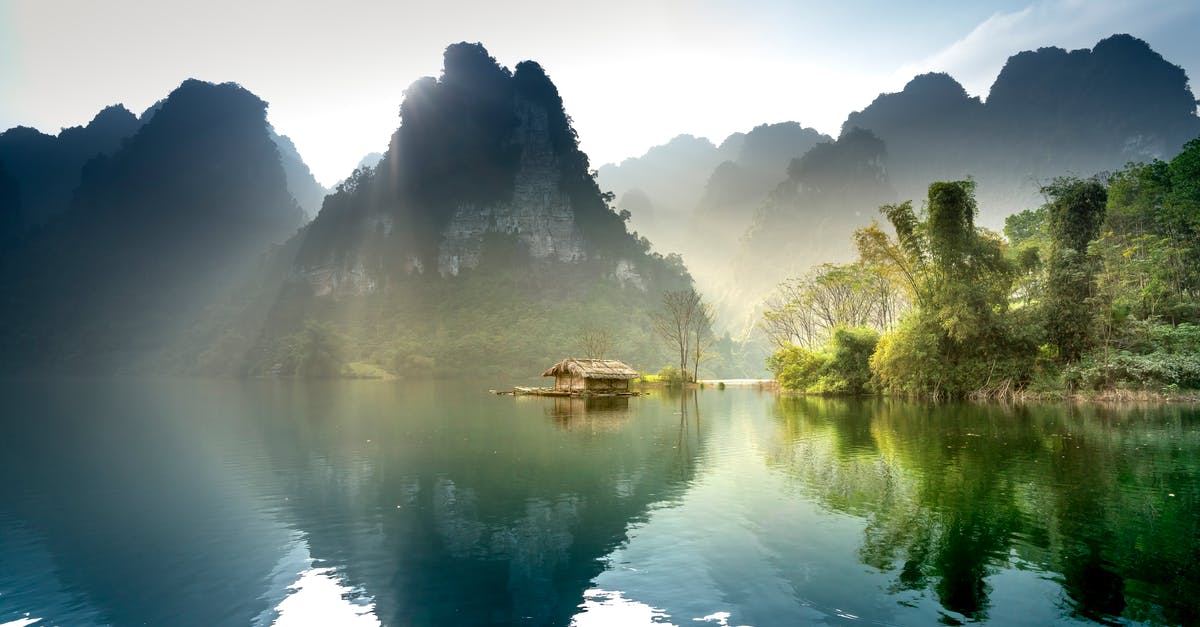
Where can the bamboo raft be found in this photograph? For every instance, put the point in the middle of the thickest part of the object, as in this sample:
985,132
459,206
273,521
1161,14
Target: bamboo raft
527,391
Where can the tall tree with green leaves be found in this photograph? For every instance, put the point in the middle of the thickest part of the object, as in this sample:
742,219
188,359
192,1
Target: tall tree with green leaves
1075,212
959,338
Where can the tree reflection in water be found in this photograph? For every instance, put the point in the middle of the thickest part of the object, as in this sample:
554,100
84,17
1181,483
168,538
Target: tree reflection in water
1103,499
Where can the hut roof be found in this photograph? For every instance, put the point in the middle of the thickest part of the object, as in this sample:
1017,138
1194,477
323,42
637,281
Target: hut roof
592,369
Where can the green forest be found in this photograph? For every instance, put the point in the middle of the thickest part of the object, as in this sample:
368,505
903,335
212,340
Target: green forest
1094,292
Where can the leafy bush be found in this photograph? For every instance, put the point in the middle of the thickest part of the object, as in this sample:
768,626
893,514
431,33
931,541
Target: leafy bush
850,369
917,358
798,369
1151,356
316,351
1158,370
841,368
672,376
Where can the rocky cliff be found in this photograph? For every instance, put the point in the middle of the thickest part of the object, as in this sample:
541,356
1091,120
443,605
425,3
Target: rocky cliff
479,242
539,214
484,158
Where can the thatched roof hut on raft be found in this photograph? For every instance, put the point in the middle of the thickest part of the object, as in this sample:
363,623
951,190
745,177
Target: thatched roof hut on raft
588,376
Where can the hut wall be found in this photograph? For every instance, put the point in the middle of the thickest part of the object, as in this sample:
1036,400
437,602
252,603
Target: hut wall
568,383
608,385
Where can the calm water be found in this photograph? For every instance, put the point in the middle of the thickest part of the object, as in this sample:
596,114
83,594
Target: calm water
365,503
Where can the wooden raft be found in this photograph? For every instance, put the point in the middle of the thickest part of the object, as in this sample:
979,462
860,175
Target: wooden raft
524,391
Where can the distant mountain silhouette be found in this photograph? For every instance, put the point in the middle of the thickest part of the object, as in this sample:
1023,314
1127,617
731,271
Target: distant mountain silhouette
698,192
39,172
369,160
672,176
309,194
1050,112
44,170
833,189
153,233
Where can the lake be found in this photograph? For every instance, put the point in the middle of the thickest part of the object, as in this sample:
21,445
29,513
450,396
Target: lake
185,502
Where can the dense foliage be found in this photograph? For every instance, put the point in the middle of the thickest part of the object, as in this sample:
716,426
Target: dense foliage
494,322
1095,290
840,367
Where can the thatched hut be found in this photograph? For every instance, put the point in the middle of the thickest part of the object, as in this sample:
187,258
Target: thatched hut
591,375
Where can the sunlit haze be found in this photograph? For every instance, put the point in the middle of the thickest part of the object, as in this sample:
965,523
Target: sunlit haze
632,73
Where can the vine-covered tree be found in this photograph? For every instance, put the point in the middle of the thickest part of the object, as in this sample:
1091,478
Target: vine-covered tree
1074,214
960,338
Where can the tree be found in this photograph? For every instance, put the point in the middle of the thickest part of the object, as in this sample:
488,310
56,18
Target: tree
1075,212
595,343
676,322
842,366
806,311
702,335
961,337
316,351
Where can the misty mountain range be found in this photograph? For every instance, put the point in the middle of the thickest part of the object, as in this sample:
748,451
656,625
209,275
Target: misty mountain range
39,173
1049,113
193,238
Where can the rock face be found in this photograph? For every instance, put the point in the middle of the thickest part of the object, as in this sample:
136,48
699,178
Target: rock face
539,215
485,160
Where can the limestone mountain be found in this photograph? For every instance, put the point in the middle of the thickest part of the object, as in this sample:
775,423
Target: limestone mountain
833,189
153,233
1050,112
482,222
680,193
39,172
305,189
670,178
369,160
736,186
736,189
309,194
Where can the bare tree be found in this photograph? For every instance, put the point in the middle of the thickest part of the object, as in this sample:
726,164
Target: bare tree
675,323
805,311
702,335
595,343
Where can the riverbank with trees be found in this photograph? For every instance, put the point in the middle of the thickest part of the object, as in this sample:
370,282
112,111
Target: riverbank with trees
1095,294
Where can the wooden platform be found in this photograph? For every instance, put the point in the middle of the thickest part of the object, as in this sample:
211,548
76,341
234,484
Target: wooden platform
524,391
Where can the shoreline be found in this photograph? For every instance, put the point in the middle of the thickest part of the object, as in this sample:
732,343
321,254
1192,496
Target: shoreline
1112,396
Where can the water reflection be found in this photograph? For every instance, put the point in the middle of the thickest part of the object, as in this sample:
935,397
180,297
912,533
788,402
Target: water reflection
591,414
261,503
214,503
1104,500
472,511
301,593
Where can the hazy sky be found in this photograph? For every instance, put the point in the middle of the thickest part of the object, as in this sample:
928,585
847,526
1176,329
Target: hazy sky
633,73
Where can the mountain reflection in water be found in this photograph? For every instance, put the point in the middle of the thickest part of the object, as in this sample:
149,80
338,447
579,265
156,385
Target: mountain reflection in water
265,502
